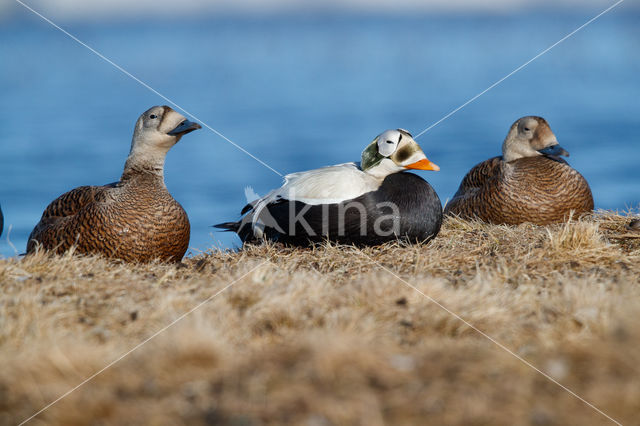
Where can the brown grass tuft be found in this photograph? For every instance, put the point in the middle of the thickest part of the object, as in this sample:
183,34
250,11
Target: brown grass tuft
328,336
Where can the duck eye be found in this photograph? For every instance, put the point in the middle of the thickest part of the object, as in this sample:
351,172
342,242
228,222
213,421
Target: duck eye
526,129
390,142
153,116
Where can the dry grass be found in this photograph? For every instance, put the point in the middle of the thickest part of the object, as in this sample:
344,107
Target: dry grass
326,336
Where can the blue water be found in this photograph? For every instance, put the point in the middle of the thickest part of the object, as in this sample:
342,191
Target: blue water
301,92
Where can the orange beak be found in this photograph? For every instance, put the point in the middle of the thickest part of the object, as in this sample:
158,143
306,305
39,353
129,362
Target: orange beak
423,165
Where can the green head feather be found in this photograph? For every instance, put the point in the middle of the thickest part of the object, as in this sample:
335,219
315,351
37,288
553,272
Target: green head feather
370,156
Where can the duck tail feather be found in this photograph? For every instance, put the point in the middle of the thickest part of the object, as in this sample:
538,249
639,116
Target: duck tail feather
228,226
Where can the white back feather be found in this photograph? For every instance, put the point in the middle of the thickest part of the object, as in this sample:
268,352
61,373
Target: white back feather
327,185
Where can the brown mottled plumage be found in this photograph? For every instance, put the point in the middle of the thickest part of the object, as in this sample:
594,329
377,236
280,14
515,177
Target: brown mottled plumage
134,219
528,183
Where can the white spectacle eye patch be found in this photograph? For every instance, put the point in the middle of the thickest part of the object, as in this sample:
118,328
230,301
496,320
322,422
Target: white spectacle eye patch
388,142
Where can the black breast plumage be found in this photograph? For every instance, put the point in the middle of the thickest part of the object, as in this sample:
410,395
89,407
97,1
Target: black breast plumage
540,190
405,207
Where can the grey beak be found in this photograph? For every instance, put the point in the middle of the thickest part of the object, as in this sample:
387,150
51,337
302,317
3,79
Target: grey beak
185,127
555,150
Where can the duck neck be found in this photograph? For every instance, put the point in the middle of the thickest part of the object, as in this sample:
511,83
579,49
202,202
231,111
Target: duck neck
385,168
147,165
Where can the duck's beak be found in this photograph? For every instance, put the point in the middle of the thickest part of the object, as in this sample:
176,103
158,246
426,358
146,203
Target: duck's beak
555,150
184,127
423,164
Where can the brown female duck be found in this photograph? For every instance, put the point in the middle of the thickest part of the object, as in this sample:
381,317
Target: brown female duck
134,219
528,183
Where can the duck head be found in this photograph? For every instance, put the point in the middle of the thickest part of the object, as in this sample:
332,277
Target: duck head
529,137
156,131
394,151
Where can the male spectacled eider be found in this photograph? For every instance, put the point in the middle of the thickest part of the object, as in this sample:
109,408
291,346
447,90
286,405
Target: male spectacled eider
134,219
528,183
364,204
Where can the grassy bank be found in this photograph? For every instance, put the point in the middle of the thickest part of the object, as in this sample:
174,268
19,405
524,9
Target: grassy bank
334,335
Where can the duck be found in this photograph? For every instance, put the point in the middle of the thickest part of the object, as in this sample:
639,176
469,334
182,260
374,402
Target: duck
530,182
134,219
366,203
